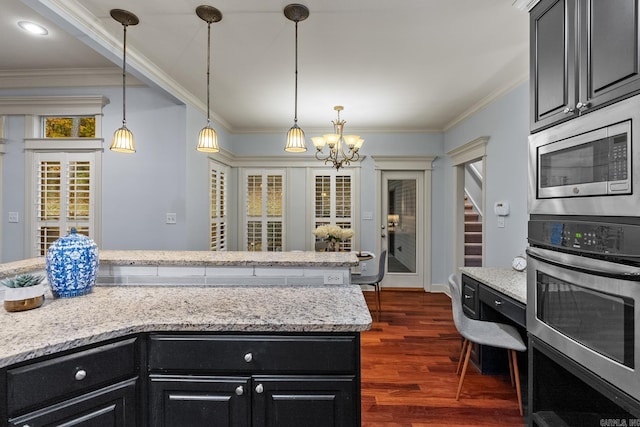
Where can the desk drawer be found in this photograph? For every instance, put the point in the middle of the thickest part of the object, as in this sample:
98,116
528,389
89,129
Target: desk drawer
44,382
252,353
504,305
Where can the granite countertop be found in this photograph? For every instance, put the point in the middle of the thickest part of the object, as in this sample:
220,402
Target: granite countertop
503,279
203,258
111,312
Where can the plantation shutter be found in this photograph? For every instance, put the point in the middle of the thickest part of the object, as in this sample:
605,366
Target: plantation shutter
65,192
334,200
218,206
264,209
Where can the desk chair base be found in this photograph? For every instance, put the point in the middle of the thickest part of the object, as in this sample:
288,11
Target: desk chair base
514,373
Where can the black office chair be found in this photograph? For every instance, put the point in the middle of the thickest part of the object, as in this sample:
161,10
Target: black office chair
374,281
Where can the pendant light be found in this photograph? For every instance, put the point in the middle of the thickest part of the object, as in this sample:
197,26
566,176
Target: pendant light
295,136
208,139
123,138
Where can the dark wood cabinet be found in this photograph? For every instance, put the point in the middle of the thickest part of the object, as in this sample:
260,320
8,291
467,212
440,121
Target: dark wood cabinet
258,380
585,54
178,379
111,406
91,386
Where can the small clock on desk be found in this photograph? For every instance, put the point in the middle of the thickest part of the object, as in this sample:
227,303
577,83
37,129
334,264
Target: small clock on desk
519,263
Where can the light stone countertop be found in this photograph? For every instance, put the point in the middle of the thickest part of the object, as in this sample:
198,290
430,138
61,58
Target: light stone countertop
114,311
200,258
503,279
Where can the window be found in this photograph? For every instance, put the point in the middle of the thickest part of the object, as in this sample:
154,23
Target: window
333,201
264,210
69,127
64,189
218,190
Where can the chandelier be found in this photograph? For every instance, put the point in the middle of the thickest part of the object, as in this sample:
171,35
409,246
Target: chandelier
343,149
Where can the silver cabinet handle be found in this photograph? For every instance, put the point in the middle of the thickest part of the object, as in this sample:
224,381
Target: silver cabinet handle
497,302
259,388
582,106
467,296
81,374
239,390
248,357
568,110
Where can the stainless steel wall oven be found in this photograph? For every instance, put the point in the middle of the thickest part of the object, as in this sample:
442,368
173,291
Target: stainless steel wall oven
583,295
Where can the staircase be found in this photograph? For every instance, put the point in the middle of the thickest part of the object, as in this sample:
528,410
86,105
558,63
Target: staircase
472,236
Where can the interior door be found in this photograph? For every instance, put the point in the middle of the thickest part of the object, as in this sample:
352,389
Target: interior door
402,228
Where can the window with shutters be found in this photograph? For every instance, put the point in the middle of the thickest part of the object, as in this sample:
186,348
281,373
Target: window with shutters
64,189
264,210
218,175
333,201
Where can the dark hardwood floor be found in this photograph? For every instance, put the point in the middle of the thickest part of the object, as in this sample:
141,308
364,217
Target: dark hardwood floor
409,360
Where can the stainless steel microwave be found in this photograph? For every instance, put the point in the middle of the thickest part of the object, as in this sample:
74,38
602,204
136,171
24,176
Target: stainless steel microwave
589,165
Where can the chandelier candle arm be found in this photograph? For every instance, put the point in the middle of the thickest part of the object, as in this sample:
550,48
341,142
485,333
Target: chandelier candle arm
123,141
208,138
295,137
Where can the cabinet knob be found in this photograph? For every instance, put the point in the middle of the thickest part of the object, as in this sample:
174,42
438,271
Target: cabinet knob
248,357
259,388
582,106
81,374
568,110
239,390
497,302
576,190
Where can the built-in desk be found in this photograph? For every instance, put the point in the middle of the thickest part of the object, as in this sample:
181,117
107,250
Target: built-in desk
496,294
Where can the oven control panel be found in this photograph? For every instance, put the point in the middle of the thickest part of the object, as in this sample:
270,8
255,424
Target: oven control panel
586,237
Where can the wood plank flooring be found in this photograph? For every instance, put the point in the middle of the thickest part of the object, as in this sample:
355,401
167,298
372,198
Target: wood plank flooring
409,360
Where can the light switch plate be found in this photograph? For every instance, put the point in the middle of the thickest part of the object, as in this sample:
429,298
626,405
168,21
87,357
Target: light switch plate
172,218
14,217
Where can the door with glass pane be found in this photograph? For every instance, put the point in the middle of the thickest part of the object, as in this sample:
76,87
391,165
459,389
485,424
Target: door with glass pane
402,228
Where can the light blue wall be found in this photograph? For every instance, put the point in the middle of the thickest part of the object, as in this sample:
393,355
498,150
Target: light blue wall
167,174
506,123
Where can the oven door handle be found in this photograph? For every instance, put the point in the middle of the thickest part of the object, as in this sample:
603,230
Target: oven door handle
587,265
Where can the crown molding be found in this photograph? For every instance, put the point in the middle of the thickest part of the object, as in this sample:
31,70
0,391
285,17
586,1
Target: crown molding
525,5
64,77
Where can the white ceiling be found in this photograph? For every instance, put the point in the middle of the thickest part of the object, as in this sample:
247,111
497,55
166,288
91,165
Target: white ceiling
404,65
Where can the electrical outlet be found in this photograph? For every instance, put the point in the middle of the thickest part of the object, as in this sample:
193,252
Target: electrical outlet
500,222
333,279
363,266
172,218
14,217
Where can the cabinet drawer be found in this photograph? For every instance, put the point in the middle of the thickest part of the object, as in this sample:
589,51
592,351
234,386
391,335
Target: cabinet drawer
506,306
470,301
259,353
53,379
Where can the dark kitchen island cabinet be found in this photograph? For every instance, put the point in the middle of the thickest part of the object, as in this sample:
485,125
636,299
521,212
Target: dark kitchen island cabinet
584,55
178,355
254,380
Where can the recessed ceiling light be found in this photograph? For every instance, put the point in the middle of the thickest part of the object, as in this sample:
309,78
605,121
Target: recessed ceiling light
33,28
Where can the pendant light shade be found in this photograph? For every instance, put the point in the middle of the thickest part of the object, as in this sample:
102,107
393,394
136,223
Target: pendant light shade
295,136
295,140
123,141
123,138
208,139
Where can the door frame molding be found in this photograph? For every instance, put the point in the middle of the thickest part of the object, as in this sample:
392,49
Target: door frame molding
467,153
410,163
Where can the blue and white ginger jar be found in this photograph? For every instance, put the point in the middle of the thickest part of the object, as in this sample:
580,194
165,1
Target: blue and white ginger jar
72,265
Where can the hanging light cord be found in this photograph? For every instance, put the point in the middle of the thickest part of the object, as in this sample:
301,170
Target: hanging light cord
208,70
295,109
124,77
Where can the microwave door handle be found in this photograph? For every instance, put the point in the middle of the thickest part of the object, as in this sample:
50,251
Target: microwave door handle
590,265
